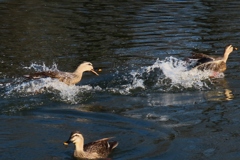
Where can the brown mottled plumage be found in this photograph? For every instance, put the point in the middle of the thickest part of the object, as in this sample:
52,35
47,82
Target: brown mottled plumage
206,62
94,150
66,77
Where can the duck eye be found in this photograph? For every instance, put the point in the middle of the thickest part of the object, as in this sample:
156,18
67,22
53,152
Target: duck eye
75,135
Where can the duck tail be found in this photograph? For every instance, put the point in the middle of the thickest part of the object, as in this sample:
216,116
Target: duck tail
113,144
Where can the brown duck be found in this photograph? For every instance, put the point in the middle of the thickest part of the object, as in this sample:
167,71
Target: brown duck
205,62
66,77
94,150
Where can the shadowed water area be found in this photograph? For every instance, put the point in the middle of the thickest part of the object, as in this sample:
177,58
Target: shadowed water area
145,96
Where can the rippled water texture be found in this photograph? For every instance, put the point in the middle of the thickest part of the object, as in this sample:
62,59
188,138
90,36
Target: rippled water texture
145,95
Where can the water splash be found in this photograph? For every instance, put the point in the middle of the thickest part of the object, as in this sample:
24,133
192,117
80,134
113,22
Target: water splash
132,83
168,75
41,68
181,77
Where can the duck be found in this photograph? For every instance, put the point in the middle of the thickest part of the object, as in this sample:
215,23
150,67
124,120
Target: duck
69,78
206,62
93,150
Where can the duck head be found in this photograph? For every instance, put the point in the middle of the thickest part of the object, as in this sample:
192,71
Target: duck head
75,137
86,66
228,50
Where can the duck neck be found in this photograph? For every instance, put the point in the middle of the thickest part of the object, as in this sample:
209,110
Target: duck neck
78,71
227,53
79,151
225,57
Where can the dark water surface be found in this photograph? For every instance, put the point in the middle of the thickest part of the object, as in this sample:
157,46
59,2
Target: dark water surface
144,96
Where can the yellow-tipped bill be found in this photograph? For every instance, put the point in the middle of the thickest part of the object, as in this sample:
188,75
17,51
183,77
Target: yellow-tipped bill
65,143
94,72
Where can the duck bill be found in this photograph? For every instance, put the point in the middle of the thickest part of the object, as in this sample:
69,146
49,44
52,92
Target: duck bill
66,143
94,72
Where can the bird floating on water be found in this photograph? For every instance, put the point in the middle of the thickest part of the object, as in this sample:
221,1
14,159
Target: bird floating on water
93,150
66,77
206,62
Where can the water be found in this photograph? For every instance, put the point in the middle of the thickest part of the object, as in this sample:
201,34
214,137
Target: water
145,96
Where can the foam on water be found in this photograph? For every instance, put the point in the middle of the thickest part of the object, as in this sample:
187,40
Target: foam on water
170,74
178,72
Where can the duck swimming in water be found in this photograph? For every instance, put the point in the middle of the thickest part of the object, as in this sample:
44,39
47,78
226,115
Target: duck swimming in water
94,150
69,78
205,62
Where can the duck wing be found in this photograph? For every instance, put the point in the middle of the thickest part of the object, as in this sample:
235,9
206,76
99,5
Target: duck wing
203,60
217,66
200,56
66,77
51,74
101,147
38,75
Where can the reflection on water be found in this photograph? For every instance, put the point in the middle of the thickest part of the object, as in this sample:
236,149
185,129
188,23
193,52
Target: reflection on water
221,93
145,95
228,94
